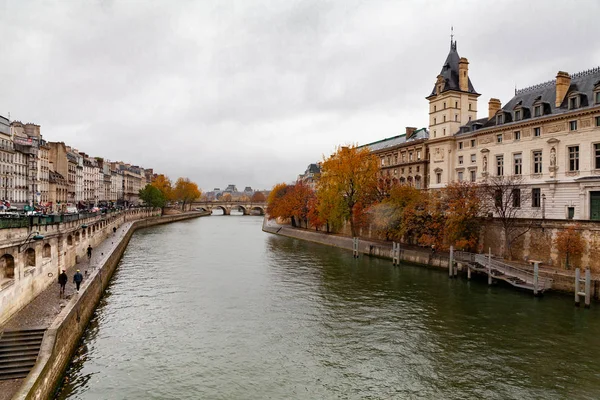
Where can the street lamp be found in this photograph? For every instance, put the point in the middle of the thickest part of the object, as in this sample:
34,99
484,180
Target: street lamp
543,205
33,236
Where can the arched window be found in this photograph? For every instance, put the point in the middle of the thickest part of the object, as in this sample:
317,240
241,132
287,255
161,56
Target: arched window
69,240
47,251
30,257
77,237
7,267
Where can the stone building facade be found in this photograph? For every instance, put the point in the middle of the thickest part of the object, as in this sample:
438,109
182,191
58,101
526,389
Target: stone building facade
547,136
7,154
403,158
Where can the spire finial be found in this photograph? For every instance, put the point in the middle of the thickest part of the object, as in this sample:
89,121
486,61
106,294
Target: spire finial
452,42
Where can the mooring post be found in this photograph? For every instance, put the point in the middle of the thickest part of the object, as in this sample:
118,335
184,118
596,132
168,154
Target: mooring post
577,279
395,253
588,285
489,266
469,272
355,247
450,262
536,271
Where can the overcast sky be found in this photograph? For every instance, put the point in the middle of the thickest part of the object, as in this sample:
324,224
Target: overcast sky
251,92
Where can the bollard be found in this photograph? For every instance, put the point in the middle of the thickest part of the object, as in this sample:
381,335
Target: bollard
588,281
577,280
490,266
469,272
536,271
451,262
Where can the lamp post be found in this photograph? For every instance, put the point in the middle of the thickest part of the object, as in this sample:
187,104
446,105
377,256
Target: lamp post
33,236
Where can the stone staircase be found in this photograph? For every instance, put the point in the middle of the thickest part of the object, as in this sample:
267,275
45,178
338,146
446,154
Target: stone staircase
18,352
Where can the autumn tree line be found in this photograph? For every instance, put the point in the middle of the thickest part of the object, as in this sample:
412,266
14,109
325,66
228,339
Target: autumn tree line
162,191
351,190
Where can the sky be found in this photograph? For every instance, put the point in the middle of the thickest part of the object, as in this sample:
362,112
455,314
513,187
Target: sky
250,92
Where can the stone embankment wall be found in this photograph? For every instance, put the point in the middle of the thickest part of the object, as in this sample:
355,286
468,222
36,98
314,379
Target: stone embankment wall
62,338
536,244
367,247
36,264
563,281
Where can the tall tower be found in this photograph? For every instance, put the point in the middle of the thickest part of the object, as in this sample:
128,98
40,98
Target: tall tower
452,103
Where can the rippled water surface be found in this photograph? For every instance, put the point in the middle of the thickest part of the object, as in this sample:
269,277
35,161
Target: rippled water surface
214,308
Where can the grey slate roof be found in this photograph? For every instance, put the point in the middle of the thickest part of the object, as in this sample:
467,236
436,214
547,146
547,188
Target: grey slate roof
397,140
544,94
450,72
313,169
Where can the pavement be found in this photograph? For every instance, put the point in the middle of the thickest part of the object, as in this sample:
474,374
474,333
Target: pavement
43,310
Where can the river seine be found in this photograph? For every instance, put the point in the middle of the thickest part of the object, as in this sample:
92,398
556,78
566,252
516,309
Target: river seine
213,308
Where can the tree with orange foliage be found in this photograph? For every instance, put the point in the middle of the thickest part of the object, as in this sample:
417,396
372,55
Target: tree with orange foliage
350,177
258,197
226,197
278,205
186,191
299,197
164,184
463,208
570,243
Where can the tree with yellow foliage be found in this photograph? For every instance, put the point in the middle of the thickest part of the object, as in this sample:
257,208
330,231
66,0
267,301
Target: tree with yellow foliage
186,192
349,181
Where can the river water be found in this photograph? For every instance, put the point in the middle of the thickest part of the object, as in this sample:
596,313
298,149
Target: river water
213,308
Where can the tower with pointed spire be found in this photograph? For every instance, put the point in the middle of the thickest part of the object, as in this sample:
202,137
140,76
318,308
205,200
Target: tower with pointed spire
452,104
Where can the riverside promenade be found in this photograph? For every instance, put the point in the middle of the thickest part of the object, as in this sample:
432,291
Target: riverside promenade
63,321
43,310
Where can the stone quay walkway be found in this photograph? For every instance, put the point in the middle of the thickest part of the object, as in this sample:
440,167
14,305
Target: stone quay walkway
41,311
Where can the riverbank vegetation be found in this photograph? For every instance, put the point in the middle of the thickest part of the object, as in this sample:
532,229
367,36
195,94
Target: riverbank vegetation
352,189
161,191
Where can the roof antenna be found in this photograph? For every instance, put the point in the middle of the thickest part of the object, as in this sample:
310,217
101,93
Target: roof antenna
515,88
452,42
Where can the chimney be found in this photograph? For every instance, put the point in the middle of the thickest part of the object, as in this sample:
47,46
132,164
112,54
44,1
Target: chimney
463,74
563,81
493,106
409,131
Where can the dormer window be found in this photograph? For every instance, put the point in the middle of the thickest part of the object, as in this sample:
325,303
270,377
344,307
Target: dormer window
537,111
517,115
573,102
500,119
597,97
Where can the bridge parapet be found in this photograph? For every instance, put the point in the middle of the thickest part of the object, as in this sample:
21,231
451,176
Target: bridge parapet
247,207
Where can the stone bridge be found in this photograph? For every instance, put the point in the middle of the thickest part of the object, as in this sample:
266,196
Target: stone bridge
246,207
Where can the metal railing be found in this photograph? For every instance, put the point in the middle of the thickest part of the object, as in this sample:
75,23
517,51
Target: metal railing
525,275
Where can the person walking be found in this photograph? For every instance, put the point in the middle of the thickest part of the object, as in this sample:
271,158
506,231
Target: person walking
62,281
77,279
114,230
89,252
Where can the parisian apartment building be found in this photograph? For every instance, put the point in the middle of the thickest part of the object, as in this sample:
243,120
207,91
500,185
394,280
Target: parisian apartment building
53,175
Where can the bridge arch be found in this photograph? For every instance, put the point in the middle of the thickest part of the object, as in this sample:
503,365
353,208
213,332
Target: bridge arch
260,209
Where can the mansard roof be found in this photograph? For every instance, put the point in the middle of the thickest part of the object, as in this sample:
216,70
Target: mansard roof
450,72
397,140
583,84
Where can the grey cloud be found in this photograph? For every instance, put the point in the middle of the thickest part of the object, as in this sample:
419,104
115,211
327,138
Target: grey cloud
250,92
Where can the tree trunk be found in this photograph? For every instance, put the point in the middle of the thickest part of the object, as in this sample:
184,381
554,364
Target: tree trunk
293,222
507,253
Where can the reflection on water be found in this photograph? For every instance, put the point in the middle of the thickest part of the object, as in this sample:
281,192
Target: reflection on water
214,308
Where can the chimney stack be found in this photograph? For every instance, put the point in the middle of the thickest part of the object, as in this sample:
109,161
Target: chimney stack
463,74
563,81
409,131
494,105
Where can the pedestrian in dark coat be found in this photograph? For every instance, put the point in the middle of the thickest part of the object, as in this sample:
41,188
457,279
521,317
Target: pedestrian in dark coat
78,278
62,281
